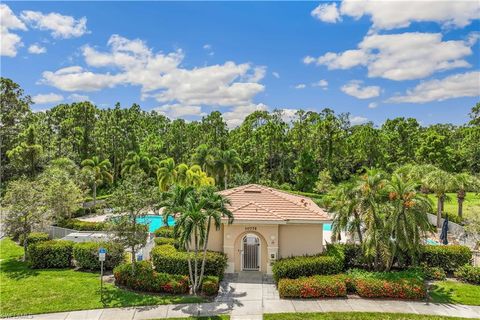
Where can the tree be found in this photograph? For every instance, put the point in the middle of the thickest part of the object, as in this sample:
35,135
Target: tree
166,174
23,209
228,162
99,173
130,200
204,157
139,161
440,182
463,182
406,220
27,156
346,211
475,115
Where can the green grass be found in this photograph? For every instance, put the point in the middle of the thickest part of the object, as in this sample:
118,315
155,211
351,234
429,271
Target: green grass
455,292
351,316
28,291
471,205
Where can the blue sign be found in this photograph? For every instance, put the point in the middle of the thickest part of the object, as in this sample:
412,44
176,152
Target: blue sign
102,250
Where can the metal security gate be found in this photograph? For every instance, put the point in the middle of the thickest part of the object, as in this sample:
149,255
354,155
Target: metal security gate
251,245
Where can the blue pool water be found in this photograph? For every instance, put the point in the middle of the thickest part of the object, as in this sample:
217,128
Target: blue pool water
327,227
432,242
154,222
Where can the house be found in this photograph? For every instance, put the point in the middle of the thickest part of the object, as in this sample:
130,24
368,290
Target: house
269,224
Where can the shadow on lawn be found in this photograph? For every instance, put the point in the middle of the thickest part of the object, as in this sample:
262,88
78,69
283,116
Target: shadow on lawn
17,270
440,295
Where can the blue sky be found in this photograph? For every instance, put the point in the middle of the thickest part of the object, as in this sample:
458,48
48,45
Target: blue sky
184,59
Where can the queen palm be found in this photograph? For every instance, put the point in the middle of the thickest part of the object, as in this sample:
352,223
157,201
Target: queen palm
406,220
139,161
166,174
440,182
99,170
464,181
204,157
228,162
346,214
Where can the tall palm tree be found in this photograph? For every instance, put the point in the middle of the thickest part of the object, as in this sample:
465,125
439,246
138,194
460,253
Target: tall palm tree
228,162
464,181
406,219
440,182
166,173
204,157
174,200
139,161
346,214
100,173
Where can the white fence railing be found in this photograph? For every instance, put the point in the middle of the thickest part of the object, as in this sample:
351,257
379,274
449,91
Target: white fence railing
60,233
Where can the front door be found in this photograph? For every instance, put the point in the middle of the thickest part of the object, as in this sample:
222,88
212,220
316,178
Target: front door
251,246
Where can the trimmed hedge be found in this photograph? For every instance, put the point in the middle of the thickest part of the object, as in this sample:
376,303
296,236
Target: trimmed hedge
160,241
433,273
412,289
85,255
80,225
331,262
468,273
313,287
144,278
164,232
35,237
167,259
210,285
449,258
50,254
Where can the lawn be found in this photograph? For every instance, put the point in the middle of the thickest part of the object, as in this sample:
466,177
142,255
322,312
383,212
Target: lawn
28,291
455,292
471,205
351,316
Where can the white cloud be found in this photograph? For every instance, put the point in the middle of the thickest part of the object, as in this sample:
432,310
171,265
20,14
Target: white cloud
47,98
160,76
327,13
10,42
75,97
399,14
36,49
301,86
454,86
288,115
276,74
309,60
354,88
321,83
60,26
372,105
175,111
235,116
208,47
358,120
403,56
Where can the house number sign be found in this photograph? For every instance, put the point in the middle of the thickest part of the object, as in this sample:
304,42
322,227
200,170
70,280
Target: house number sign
250,228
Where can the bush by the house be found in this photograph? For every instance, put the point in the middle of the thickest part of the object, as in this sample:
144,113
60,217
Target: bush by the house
412,289
80,225
449,258
50,254
146,279
433,273
468,273
160,241
165,232
313,287
85,255
210,285
35,237
167,259
331,262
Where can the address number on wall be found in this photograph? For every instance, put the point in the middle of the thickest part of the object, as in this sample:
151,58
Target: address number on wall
250,228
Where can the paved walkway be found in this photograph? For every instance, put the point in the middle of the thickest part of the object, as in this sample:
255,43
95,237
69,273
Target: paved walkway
248,296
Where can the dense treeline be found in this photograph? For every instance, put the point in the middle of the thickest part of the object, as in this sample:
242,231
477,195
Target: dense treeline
305,153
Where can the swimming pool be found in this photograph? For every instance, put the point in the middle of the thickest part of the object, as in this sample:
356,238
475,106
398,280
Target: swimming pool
327,227
154,222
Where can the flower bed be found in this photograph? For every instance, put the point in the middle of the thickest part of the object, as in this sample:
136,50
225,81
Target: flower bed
399,289
313,287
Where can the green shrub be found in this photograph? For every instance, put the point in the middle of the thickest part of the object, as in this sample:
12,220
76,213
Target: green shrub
35,237
167,259
449,258
85,255
331,262
80,225
160,241
468,273
433,273
144,278
407,288
313,287
50,254
164,232
210,285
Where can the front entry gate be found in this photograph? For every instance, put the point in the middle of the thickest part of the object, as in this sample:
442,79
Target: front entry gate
251,253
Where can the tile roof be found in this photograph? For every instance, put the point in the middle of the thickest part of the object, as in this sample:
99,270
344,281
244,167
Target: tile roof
254,202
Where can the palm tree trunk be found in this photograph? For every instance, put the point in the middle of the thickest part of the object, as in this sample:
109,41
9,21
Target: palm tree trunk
460,198
195,280
189,260
225,179
439,211
359,229
202,269
94,194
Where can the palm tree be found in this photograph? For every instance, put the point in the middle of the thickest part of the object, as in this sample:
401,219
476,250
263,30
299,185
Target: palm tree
100,173
406,219
440,182
166,174
346,215
174,200
204,157
139,161
228,162
463,182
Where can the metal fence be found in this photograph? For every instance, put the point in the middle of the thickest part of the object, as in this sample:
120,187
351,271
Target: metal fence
60,233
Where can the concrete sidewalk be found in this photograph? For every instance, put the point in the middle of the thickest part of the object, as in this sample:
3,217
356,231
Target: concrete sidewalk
248,296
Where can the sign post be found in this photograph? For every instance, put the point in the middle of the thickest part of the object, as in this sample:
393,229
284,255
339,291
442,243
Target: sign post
102,252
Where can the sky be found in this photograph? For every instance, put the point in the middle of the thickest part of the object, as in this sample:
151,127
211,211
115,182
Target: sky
373,59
